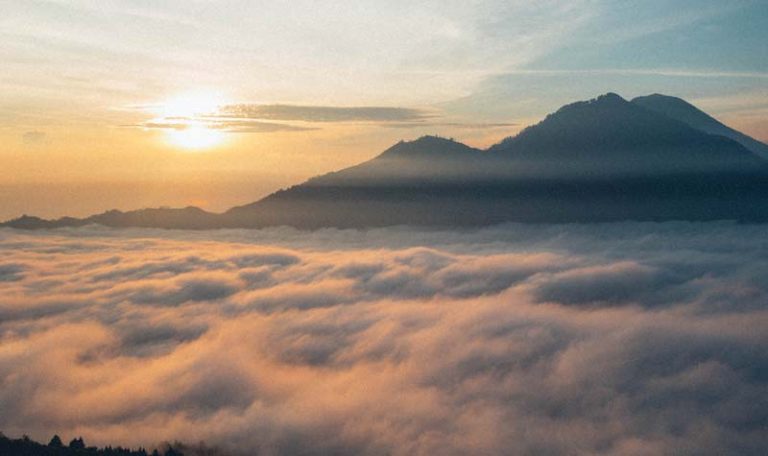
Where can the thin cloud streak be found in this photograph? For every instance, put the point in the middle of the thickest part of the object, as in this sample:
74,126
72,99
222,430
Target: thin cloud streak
460,125
646,72
259,118
229,126
323,113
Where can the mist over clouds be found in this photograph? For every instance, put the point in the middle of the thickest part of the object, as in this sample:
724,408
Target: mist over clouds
617,339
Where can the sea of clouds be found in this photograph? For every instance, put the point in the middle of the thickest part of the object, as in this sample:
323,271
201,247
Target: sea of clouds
632,338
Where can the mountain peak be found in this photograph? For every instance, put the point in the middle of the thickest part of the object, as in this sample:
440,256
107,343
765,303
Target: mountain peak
427,146
608,100
659,96
673,107
428,141
610,97
679,109
607,121
682,111
609,134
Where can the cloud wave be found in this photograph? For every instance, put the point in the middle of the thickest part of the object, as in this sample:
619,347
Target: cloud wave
615,339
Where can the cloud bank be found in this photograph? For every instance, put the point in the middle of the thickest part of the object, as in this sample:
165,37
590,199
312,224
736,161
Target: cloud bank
612,339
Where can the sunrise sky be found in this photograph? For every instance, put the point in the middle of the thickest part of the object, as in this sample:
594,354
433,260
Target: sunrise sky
129,104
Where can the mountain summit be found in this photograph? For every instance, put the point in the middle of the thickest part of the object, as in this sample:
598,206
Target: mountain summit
427,158
679,109
605,159
609,135
428,147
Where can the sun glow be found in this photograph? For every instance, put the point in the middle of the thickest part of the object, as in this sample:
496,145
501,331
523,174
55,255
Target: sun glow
195,137
189,120
191,104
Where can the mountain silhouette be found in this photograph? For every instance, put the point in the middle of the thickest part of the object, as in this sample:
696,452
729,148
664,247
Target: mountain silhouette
172,218
606,159
609,135
428,158
679,109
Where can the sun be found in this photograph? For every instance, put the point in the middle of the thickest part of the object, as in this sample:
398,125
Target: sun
195,137
190,116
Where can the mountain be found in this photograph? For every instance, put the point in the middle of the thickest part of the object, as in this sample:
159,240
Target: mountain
605,159
600,160
184,218
429,158
681,110
609,135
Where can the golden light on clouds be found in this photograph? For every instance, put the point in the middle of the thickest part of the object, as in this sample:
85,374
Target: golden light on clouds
332,339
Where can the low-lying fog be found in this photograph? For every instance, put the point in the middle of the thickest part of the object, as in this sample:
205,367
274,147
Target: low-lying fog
620,338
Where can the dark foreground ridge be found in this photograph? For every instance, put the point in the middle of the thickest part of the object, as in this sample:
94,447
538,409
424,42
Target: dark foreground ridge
654,158
77,447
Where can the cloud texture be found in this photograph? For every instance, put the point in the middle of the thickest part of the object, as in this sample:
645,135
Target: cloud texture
610,339
261,118
323,113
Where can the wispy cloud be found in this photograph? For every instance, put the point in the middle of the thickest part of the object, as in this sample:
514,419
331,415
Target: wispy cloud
260,118
323,113
652,17
230,126
457,125
34,137
646,72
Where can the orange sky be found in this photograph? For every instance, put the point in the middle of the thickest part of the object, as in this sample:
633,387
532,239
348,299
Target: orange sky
117,105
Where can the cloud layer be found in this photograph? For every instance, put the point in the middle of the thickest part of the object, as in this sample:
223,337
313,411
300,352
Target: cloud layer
615,339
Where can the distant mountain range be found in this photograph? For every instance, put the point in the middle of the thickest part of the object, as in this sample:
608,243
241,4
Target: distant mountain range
608,159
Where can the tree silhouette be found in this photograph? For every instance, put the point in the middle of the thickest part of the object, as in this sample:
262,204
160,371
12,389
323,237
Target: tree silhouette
77,444
25,446
56,442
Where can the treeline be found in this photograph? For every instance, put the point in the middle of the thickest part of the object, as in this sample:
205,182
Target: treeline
77,447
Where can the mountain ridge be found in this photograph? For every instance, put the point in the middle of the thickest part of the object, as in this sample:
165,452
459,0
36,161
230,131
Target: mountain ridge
679,109
603,159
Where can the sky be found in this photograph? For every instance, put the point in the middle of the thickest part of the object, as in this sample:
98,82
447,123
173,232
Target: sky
131,104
